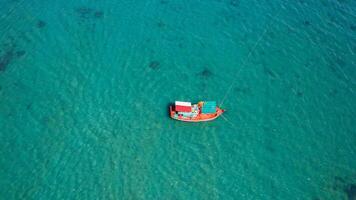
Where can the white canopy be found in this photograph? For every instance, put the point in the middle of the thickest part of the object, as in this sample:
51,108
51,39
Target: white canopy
183,103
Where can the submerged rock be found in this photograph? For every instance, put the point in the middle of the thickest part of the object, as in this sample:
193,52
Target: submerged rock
98,14
84,12
163,2
8,57
206,72
88,13
154,64
306,23
350,191
269,72
20,53
234,3
353,27
41,24
161,24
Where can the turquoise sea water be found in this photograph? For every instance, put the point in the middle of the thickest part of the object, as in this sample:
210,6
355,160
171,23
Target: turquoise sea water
84,89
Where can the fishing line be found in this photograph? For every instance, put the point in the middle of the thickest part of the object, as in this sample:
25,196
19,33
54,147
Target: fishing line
228,121
249,55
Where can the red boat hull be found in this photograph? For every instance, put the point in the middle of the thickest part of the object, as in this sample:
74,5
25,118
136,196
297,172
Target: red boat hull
199,118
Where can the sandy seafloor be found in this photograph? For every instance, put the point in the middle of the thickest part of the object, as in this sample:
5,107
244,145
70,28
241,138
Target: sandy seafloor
84,89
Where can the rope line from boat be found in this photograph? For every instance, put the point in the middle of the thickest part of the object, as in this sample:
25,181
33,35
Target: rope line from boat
228,121
265,30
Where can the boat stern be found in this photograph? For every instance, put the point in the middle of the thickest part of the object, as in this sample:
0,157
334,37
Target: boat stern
172,113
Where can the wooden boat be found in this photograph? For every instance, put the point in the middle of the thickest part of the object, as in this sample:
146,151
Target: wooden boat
200,112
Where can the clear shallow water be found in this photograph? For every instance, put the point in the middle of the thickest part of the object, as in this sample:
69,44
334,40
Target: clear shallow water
84,89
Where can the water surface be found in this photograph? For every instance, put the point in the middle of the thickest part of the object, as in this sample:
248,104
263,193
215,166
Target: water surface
84,89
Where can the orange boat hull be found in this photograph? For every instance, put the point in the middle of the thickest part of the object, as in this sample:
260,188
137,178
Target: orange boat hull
199,118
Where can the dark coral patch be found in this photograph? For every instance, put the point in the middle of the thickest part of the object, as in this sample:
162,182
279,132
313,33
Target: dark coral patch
269,72
84,12
180,45
353,27
6,59
342,185
98,14
8,56
206,73
161,24
270,148
88,13
350,191
163,2
300,94
234,3
41,24
21,53
339,181
154,64
306,23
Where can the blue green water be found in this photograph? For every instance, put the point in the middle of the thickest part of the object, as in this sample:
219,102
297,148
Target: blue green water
84,89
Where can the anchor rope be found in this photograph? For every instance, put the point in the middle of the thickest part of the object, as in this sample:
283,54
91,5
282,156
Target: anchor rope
265,30
228,121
